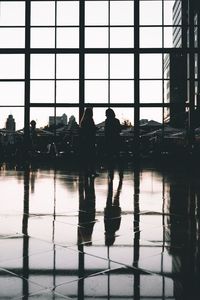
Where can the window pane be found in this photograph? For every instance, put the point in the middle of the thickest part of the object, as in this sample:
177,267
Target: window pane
12,37
168,43
67,66
168,12
96,12
67,13
69,112
154,114
42,37
12,13
151,65
150,12
42,66
12,66
151,91
67,37
121,66
96,37
12,93
42,13
121,12
150,37
41,115
96,66
123,114
96,91
67,91
42,91
17,114
121,91
121,37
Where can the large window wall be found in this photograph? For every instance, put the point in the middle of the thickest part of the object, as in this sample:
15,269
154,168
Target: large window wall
66,55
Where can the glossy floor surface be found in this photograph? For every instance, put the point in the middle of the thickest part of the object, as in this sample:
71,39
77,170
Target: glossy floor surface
128,234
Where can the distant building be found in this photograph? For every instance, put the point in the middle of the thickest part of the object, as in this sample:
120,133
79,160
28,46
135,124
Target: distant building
178,67
58,120
10,123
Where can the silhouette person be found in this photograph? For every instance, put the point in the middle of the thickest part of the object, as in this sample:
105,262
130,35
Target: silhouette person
33,134
112,135
112,211
87,141
86,210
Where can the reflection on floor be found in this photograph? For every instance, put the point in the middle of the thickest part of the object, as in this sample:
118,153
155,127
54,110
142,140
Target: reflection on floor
128,234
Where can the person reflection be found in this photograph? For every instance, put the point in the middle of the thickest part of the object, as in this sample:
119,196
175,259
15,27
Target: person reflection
112,211
86,210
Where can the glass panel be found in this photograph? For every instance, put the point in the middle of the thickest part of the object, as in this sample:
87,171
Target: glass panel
41,116
70,112
96,12
12,93
67,91
121,66
167,91
67,66
68,116
67,13
12,66
168,12
42,13
12,37
67,37
67,119
121,91
96,66
96,91
150,114
177,36
42,37
12,13
168,41
121,37
123,114
151,91
151,37
16,120
42,66
150,12
151,66
96,37
42,91
121,13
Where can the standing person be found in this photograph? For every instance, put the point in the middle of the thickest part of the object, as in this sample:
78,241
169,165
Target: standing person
33,135
87,141
112,134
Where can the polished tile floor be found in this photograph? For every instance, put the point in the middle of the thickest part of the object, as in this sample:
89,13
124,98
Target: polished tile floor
128,234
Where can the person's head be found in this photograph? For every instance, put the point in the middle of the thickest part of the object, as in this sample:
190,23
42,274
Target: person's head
110,113
33,123
88,114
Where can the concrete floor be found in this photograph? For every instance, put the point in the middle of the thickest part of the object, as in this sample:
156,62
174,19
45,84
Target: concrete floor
132,234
